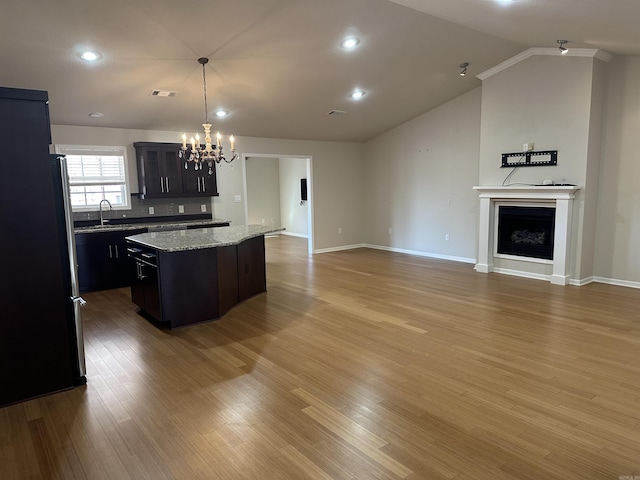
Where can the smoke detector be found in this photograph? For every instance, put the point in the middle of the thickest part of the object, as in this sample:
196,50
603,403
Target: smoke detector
163,93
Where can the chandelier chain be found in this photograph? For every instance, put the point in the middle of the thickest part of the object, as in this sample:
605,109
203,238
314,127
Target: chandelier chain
204,83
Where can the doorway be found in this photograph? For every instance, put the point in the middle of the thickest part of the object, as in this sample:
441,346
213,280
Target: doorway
275,188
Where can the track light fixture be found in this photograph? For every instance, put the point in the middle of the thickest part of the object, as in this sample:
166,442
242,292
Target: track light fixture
562,48
463,66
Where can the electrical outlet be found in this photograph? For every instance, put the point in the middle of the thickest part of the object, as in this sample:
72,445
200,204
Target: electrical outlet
446,236
339,230
263,220
152,210
389,231
527,147
180,208
203,208
237,198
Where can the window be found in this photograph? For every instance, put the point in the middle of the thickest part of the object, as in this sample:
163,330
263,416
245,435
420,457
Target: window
96,173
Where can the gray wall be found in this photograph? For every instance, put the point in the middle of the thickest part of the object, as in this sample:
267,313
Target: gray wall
419,180
263,191
556,103
617,253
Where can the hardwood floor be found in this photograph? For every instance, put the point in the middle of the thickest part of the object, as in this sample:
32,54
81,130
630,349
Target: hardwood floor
358,364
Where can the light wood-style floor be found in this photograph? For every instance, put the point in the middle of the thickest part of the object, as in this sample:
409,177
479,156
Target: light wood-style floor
359,364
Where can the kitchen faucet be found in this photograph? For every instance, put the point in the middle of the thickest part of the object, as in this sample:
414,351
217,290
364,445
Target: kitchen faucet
102,220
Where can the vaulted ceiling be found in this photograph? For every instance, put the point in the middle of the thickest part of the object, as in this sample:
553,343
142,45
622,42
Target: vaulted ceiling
276,65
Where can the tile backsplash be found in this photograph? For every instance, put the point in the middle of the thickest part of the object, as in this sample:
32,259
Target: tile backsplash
140,208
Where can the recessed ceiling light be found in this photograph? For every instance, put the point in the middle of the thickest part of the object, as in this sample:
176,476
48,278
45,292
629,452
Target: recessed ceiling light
90,56
221,113
349,43
96,114
357,94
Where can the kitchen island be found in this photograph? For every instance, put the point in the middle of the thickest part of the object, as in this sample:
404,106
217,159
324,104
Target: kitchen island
191,276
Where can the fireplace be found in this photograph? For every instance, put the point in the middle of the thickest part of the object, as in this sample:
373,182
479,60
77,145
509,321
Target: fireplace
526,231
558,199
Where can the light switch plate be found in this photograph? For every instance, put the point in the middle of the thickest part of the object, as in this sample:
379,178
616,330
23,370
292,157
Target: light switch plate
152,210
237,198
180,208
203,208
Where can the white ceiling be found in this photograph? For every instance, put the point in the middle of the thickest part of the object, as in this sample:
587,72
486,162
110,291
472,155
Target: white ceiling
276,64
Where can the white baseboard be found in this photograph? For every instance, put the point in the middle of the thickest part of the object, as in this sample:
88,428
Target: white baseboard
580,282
291,234
338,249
518,273
619,283
421,254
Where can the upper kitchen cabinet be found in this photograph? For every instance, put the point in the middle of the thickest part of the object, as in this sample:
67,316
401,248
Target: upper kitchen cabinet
198,183
161,173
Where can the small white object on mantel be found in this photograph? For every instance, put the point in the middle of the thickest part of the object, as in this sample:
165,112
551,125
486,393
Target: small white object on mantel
561,195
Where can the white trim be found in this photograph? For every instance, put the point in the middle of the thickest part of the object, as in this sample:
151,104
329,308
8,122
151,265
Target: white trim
519,273
619,283
553,51
421,254
581,282
339,249
291,234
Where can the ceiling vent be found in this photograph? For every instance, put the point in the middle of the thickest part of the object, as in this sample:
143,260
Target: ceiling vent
163,93
337,113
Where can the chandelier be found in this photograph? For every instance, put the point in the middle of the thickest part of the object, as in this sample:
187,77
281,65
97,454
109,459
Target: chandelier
208,153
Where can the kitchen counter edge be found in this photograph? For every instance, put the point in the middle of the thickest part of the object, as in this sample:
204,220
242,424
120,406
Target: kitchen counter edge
183,240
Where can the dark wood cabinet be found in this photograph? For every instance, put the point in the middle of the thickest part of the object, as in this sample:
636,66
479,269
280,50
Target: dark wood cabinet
102,260
252,277
198,183
145,289
162,174
191,286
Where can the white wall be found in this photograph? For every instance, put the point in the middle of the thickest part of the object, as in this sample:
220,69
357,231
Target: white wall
293,213
617,255
338,186
263,191
420,178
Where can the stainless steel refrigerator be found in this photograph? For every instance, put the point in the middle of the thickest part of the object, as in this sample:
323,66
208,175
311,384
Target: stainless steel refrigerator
41,342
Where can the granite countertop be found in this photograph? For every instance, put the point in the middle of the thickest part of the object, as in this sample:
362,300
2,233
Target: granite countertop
175,225
180,240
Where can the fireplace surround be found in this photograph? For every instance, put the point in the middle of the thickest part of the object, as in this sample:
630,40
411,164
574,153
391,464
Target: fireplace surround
560,198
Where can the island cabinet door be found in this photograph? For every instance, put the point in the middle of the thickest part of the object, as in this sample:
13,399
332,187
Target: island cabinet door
251,268
188,286
227,278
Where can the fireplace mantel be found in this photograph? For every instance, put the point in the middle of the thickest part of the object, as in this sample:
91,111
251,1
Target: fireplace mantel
561,195
542,192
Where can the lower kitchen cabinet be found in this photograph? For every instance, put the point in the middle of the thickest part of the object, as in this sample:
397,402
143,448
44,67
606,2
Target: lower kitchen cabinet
190,286
102,260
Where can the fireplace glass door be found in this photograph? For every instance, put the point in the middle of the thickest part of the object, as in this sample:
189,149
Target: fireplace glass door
526,231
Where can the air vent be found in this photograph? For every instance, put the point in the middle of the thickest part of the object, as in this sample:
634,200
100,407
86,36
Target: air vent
163,93
337,113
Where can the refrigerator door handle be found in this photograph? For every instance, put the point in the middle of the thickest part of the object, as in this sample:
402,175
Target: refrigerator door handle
79,300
